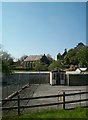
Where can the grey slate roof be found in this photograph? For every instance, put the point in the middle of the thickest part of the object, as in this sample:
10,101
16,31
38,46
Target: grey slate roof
33,58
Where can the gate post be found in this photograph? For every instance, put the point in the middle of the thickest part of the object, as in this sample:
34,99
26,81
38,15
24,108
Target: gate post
64,100
18,104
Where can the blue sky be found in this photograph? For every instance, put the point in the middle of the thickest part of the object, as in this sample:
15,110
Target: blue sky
38,28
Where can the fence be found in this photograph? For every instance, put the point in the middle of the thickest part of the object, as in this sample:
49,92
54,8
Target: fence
63,102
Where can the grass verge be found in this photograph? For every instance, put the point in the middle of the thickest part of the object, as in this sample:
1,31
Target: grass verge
75,113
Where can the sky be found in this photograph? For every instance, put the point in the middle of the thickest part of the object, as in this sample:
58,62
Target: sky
34,28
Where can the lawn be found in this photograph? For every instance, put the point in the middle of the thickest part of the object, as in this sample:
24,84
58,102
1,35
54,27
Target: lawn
76,113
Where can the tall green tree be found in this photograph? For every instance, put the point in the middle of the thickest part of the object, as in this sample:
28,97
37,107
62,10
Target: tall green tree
6,61
82,56
71,57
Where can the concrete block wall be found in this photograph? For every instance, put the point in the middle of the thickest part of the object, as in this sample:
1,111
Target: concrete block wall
39,78
17,81
77,79
24,78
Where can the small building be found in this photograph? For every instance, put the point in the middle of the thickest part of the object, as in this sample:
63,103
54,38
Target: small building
82,70
28,62
57,77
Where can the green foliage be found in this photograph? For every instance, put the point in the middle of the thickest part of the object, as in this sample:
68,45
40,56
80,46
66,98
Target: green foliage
77,56
56,64
46,114
82,55
43,64
40,66
76,113
6,68
6,61
71,57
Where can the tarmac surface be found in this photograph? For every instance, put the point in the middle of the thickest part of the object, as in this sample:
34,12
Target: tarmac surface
36,90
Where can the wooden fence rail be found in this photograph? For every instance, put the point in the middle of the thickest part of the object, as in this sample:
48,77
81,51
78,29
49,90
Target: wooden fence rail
63,102
40,97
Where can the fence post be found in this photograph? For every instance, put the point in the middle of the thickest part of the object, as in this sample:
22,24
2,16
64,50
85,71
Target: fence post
18,104
64,100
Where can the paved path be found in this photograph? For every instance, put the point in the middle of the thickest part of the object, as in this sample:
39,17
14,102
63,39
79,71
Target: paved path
45,90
